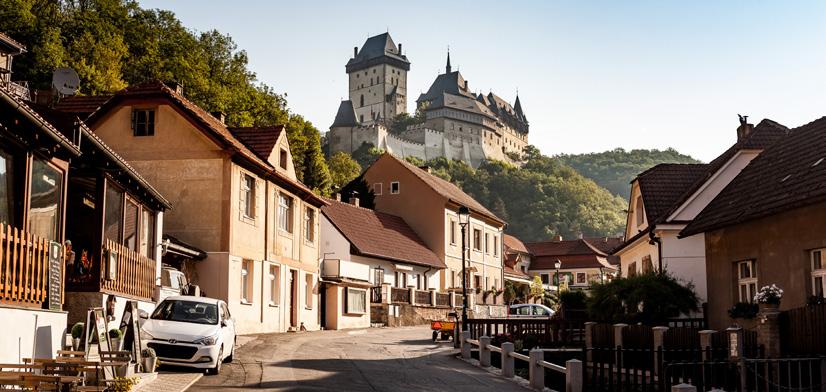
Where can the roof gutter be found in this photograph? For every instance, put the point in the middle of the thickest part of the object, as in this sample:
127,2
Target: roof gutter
42,124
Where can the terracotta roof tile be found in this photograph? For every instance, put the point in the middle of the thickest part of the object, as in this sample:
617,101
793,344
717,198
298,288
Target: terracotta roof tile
605,244
514,243
788,174
446,189
377,234
571,253
509,270
83,106
261,140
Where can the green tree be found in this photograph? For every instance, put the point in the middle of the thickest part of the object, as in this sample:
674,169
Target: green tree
366,154
343,169
537,288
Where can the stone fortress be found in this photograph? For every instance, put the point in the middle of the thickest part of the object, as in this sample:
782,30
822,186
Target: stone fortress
458,124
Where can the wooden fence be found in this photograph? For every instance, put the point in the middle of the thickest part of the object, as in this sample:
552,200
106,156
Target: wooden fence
398,295
803,330
24,268
135,273
547,332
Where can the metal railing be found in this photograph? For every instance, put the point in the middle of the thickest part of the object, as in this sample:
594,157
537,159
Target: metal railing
422,297
399,295
375,295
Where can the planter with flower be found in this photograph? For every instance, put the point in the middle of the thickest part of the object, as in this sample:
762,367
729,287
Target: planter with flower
768,298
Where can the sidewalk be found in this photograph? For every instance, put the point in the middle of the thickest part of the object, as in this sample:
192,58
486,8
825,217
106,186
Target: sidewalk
170,382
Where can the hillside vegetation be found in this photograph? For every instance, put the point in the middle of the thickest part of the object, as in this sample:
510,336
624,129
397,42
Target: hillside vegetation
115,43
614,170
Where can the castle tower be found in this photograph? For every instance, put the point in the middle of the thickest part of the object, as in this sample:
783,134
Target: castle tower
378,80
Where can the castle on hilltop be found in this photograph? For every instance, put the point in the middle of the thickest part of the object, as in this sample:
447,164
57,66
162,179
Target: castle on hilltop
458,124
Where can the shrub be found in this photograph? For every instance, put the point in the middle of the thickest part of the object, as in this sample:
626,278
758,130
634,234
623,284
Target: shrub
573,299
648,299
115,333
149,352
77,330
744,310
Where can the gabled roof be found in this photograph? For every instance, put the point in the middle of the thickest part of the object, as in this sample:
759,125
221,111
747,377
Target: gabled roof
47,129
572,254
452,83
789,174
513,243
459,102
11,45
663,185
346,115
446,189
605,244
211,126
377,234
67,123
378,49
82,106
261,140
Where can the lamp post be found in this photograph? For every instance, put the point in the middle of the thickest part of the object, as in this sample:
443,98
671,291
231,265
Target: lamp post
557,264
464,219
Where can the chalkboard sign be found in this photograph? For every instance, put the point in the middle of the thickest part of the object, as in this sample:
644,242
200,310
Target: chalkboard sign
131,330
96,333
55,276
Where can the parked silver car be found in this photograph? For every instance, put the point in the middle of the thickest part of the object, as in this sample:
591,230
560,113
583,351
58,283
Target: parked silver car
530,311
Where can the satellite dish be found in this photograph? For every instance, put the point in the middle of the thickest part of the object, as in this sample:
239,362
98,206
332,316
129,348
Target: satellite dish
65,81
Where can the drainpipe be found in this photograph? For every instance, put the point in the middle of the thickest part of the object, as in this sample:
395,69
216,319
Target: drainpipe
654,239
264,269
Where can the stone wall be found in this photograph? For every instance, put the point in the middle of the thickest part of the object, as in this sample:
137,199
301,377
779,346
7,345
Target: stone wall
408,315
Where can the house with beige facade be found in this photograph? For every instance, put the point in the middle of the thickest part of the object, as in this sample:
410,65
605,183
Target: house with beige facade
236,197
430,206
580,264
367,255
667,197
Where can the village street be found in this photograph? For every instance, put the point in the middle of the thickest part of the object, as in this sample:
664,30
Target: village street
386,359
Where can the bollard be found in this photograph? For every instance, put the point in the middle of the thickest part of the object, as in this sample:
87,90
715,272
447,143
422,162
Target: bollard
573,375
484,351
507,360
465,345
535,370
683,388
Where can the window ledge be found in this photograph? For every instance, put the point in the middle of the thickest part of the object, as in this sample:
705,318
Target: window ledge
244,302
307,308
272,305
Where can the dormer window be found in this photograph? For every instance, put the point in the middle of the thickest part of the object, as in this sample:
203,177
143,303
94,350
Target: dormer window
143,122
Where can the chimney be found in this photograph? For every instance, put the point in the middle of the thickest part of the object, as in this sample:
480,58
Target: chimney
178,87
744,130
354,201
465,84
355,51
338,196
558,238
426,168
400,48
220,116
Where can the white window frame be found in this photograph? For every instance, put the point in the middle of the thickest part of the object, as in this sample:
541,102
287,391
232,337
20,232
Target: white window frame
247,272
398,188
818,272
452,232
275,289
487,243
496,245
477,240
584,278
309,224
356,308
286,204
746,284
247,196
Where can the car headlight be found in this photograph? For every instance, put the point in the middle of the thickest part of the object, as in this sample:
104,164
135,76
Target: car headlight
207,341
146,335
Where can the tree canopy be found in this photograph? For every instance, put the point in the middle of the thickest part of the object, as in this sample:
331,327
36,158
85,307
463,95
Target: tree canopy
615,169
114,43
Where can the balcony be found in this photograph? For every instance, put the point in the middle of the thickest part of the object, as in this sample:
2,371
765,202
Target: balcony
127,272
19,89
24,268
338,269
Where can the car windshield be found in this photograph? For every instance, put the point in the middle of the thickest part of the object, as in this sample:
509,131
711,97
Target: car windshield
187,312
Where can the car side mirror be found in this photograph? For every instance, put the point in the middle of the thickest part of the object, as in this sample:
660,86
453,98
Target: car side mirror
223,323
143,314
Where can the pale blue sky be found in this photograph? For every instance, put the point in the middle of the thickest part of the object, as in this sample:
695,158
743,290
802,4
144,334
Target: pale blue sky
591,77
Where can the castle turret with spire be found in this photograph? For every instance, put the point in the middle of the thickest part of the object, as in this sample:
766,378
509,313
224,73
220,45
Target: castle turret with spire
458,123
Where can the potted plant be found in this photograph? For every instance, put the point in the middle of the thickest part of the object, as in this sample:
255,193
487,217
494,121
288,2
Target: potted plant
77,332
115,336
150,360
485,295
768,298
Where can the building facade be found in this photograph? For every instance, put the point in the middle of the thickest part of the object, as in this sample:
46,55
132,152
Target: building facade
458,124
236,197
581,264
429,205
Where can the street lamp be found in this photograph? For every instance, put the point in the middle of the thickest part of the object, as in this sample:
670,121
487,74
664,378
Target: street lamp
558,265
464,219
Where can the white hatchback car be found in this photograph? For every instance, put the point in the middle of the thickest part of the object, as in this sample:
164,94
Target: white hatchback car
191,331
530,311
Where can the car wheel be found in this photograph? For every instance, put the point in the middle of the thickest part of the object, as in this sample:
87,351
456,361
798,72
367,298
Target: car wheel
218,362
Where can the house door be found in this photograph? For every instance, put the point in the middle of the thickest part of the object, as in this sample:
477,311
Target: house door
322,304
294,298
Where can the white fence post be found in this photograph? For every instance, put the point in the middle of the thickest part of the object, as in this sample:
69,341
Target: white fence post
465,345
573,375
659,339
535,370
433,298
484,351
412,293
618,328
706,341
507,360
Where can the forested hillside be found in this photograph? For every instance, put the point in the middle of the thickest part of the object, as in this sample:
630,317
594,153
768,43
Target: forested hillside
114,43
541,199
614,170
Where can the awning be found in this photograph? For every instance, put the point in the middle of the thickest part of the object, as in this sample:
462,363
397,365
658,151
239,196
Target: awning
518,280
177,247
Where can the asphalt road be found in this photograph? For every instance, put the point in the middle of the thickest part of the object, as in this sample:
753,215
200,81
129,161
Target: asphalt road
377,359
